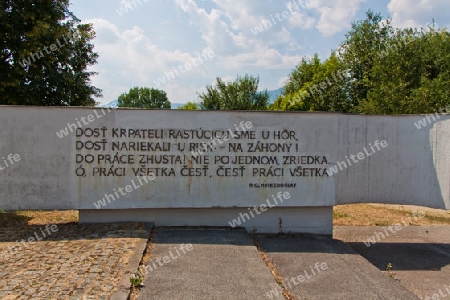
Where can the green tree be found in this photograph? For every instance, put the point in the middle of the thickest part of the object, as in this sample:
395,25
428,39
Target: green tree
241,94
359,53
302,73
190,106
378,69
412,75
45,53
396,71
144,98
315,86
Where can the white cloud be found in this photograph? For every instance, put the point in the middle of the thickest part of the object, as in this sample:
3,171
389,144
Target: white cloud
267,58
139,47
214,30
335,16
226,29
282,81
404,14
241,14
298,14
301,20
129,58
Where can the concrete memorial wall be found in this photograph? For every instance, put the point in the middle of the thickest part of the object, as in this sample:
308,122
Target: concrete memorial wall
270,171
413,169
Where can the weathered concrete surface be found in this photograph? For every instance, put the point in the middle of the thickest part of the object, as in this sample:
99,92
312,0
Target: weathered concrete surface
420,255
97,165
347,275
413,168
222,264
317,220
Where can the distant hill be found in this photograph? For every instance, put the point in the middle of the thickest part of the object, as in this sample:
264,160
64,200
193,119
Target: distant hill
112,104
176,105
273,95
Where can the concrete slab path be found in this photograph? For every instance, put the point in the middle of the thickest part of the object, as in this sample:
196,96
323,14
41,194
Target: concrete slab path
215,264
315,267
419,255
97,261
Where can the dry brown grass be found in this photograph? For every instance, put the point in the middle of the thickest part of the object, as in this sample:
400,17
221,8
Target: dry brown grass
33,217
343,215
385,215
286,293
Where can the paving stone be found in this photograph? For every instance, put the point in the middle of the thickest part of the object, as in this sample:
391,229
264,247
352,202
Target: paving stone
77,262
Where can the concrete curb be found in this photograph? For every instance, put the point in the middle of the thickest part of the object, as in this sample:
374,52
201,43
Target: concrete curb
123,286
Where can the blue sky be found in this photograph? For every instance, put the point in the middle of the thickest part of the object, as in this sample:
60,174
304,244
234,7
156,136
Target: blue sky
181,46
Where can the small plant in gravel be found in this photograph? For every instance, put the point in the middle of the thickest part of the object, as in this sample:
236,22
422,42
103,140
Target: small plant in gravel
136,280
389,270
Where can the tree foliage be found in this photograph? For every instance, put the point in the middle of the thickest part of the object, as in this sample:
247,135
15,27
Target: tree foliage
241,94
360,51
45,54
378,69
412,76
144,98
315,86
190,106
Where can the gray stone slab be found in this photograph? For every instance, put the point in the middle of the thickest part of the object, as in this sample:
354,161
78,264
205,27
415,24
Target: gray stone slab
420,256
316,220
347,275
222,264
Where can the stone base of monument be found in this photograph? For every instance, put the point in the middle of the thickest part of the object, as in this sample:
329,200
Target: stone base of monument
316,220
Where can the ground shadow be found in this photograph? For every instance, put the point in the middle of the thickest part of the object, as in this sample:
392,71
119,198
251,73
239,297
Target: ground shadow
302,243
406,256
402,256
16,228
12,218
